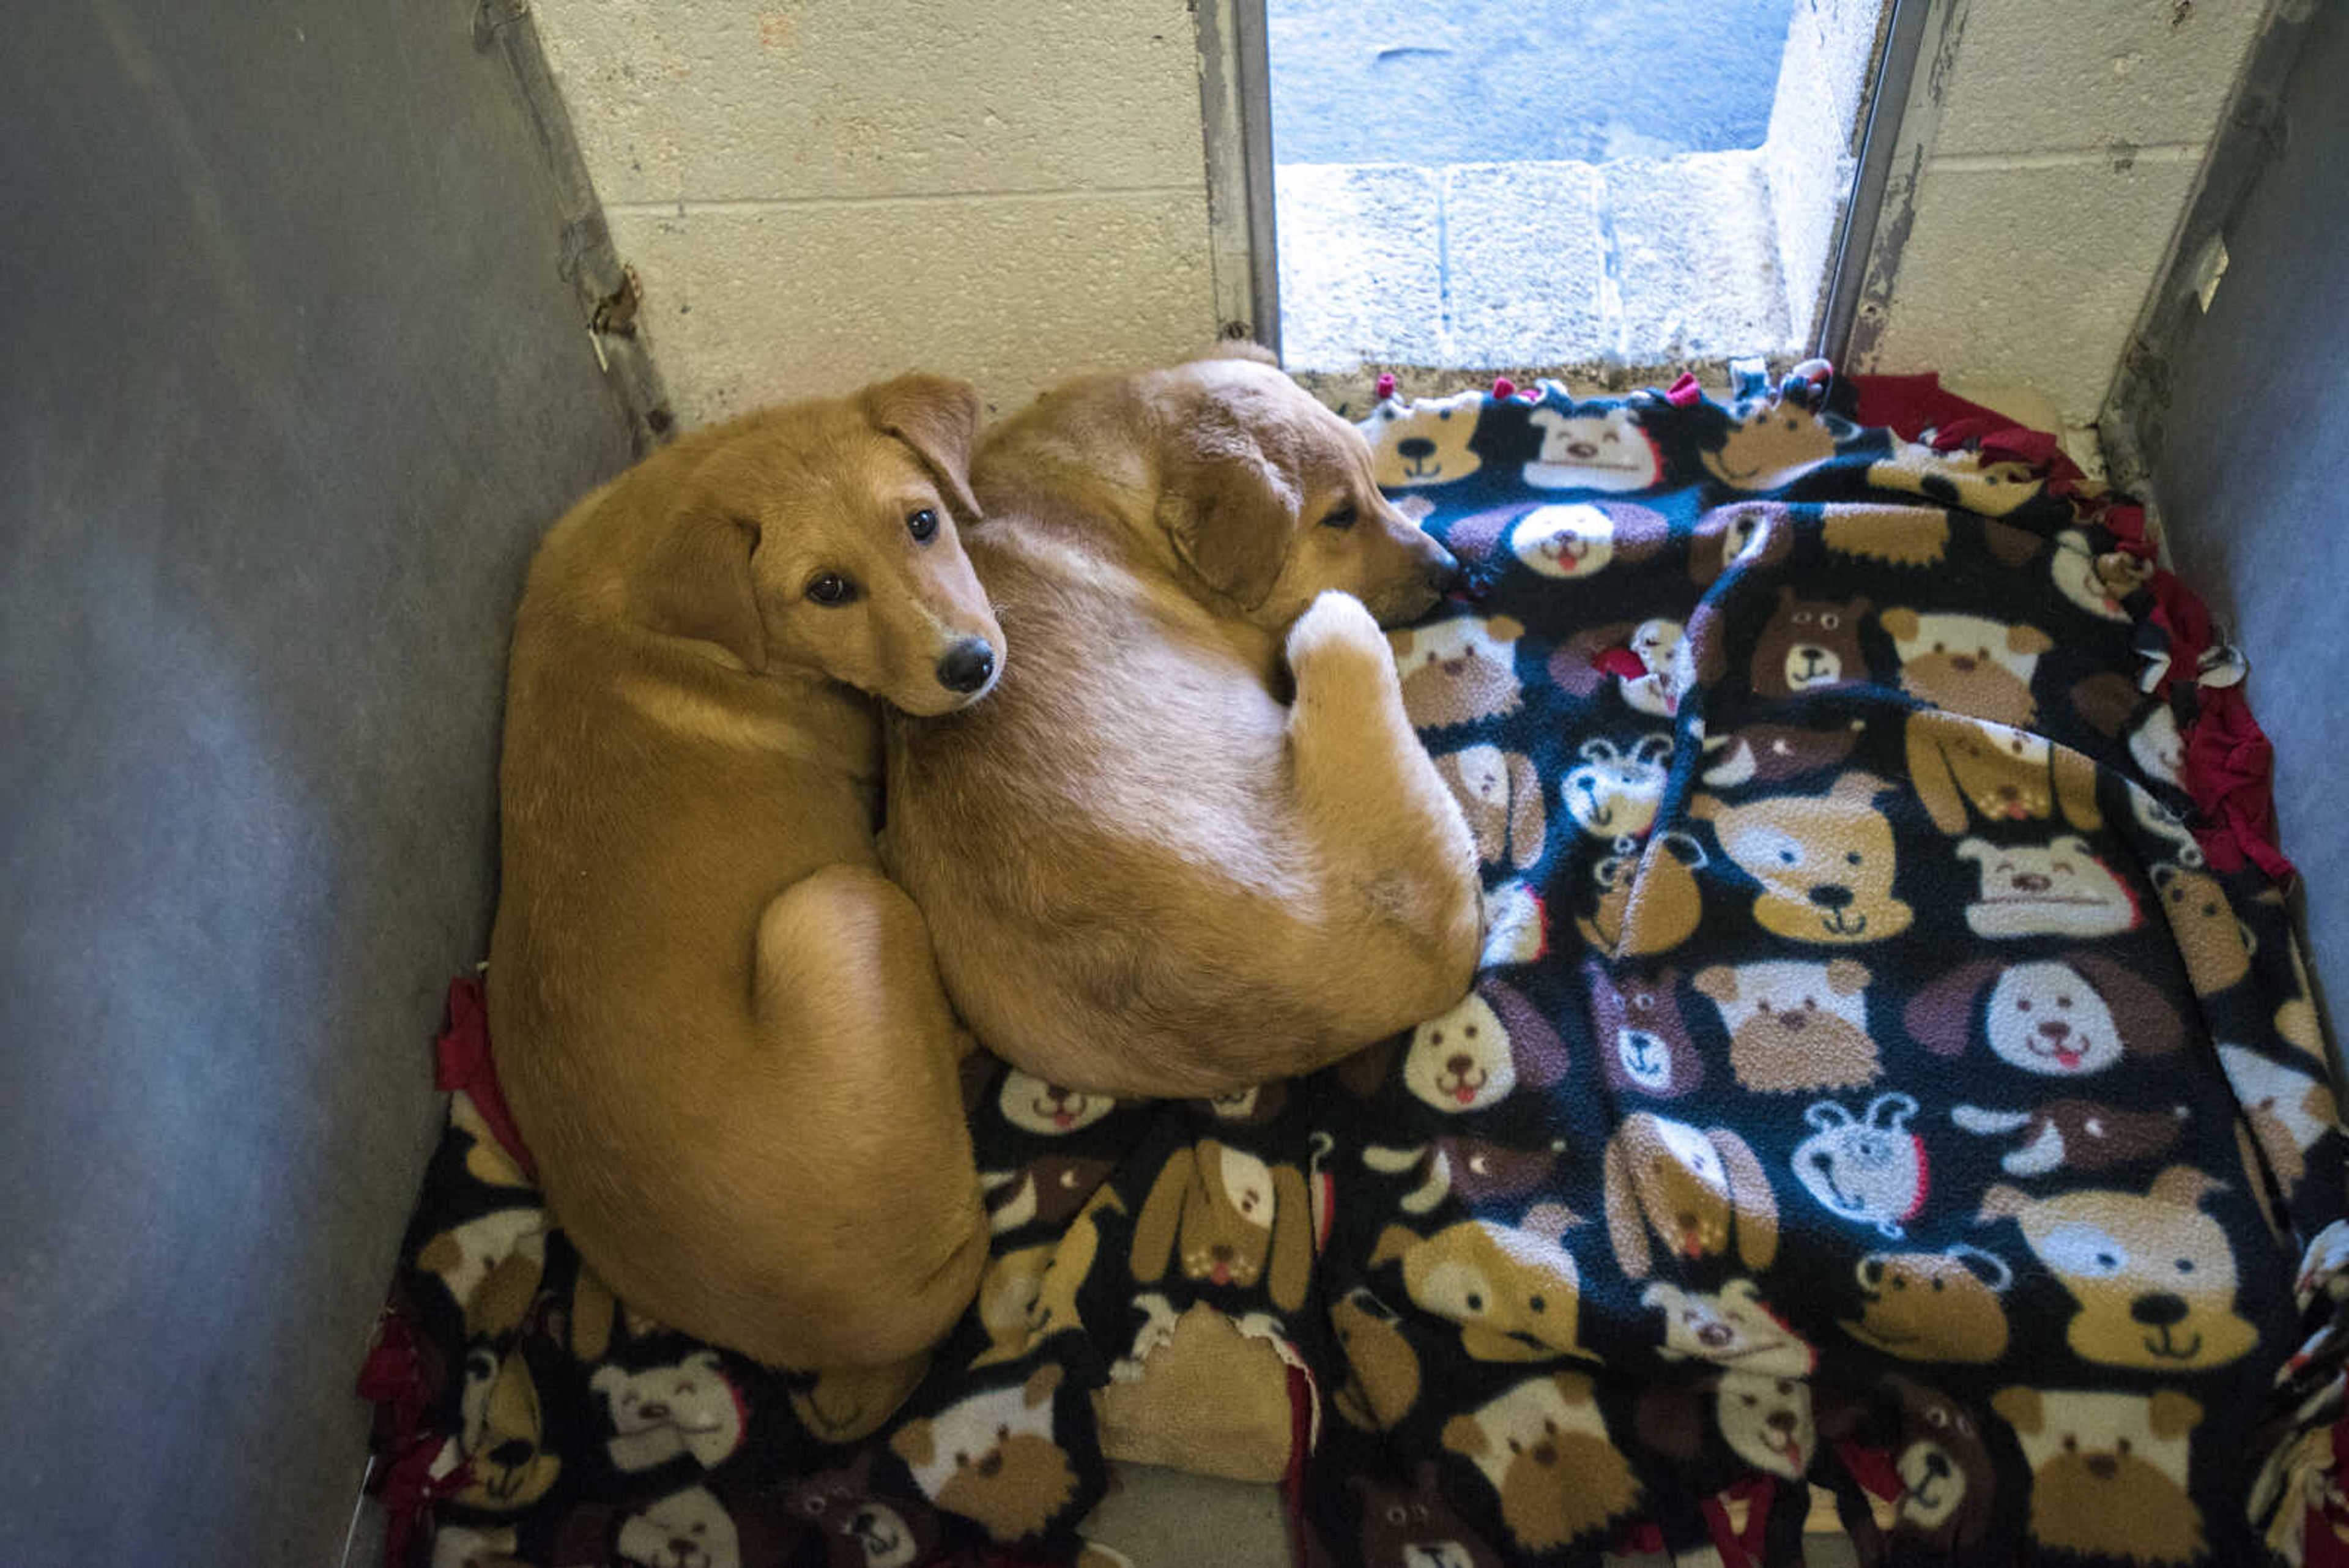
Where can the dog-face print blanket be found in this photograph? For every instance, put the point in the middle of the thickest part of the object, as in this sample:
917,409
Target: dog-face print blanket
1882,1079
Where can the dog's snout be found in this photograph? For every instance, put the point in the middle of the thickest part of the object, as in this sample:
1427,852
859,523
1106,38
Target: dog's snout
967,665
2158,1309
1441,571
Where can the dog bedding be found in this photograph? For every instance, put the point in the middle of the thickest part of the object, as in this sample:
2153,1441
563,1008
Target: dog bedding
1890,1079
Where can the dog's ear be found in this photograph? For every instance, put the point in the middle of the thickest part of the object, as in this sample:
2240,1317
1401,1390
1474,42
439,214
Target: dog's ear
2149,1021
1040,1384
1292,1238
1941,1017
1899,623
1364,1072
1536,1050
695,582
2184,1186
939,419
2020,1408
2170,1414
1236,348
1752,1204
1161,1212
2002,1202
1670,1422
1466,1435
912,1443
1227,510
1627,1223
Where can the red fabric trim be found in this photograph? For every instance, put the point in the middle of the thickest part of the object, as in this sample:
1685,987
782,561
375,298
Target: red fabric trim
1682,393
462,1058
1740,1550
1872,1467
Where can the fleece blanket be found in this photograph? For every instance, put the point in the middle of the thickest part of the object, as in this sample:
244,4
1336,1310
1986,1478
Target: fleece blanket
1891,1080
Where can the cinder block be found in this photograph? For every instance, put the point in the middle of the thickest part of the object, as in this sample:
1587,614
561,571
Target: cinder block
710,101
1697,257
1525,266
2034,77
1362,265
751,306
2030,275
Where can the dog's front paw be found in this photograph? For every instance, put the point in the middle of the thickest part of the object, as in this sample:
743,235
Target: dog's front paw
1335,625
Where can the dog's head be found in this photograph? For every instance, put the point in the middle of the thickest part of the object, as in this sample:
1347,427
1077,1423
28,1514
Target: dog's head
1267,499
820,536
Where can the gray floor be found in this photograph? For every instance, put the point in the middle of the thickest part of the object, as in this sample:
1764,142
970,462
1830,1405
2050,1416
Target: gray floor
293,384
1411,81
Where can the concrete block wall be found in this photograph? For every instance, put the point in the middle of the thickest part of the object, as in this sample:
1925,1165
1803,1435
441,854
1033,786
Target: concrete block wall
814,195
2050,152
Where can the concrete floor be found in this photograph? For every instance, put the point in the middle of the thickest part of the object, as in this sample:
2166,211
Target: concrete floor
1478,81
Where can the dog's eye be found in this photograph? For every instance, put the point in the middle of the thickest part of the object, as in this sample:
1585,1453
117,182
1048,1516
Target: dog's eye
831,588
922,525
1341,515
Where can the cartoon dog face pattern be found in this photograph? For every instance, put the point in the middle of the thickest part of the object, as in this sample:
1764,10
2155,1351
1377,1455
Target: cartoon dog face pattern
1871,1082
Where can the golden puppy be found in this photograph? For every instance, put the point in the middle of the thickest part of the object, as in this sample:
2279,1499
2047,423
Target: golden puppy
719,1026
1146,874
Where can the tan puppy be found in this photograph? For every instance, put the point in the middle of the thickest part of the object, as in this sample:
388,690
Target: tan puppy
1146,874
719,1026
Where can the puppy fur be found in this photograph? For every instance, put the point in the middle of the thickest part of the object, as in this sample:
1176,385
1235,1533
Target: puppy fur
1146,873
720,1027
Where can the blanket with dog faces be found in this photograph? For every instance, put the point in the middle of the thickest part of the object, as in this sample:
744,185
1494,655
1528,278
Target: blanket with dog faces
1873,1091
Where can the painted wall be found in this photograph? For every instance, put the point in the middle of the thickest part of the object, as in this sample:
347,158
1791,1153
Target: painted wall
295,384
2246,433
2049,152
817,195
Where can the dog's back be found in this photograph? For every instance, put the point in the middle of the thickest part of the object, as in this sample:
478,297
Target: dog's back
1129,889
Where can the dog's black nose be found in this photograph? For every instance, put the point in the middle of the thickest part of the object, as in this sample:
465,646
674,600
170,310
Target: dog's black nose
1415,447
2158,1309
1831,896
967,665
1442,572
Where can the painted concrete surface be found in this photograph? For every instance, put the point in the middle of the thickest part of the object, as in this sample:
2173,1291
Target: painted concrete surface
2049,155
2249,472
1482,81
818,196
295,384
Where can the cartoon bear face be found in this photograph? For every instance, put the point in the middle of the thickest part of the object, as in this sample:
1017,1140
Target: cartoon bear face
2108,1472
1825,862
1459,671
1795,1027
688,1529
1046,1109
1945,1465
1614,793
1644,1046
1967,664
2055,890
1515,1291
1770,445
1809,645
1424,441
1416,1529
859,1530
2217,946
2152,1276
1604,449
656,1414
1934,1306
1543,1447
991,1459
1731,1327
